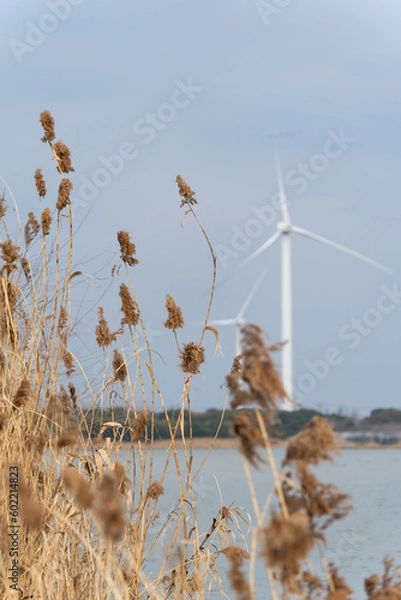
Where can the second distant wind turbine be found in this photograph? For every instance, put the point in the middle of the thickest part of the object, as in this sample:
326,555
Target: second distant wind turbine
239,320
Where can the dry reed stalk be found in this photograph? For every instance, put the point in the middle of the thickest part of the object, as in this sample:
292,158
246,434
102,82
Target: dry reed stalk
62,156
192,354
191,358
188,199
172,448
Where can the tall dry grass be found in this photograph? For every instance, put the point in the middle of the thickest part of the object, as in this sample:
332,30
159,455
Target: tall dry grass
85,529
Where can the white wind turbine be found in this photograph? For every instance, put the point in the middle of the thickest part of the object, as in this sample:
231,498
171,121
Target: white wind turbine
284,230
239,320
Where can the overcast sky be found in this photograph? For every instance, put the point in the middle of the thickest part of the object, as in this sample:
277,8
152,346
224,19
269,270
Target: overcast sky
194,88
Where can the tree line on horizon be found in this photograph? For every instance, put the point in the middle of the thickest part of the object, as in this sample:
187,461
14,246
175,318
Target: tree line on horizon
205,424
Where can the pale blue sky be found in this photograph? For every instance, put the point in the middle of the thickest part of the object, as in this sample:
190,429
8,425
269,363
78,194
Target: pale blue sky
316,67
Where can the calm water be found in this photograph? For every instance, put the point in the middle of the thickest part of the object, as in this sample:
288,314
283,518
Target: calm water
357,544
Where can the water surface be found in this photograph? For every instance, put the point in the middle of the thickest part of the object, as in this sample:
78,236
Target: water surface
357,544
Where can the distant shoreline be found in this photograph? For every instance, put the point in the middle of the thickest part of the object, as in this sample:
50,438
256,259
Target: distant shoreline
204,443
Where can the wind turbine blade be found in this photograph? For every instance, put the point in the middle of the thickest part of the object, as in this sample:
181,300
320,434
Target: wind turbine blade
251,295
263,247
281,190
223,322
323,240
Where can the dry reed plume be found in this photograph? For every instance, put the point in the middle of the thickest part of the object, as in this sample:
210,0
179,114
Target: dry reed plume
40,183
78,486
48,124
3,206
236,556
64,192
286,541
31,229
192,356
254,380
155,490
139,425
32,511
128,307
386,587
175,319
119,367
104,336
127,248
185,191
63,156
46,221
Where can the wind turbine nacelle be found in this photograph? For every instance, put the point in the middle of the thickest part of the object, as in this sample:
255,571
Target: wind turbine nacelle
283,227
